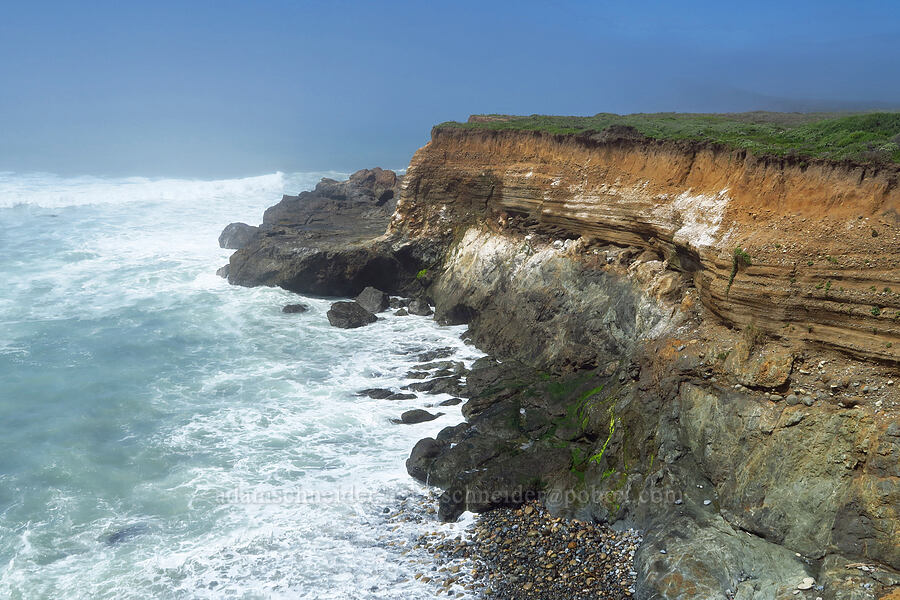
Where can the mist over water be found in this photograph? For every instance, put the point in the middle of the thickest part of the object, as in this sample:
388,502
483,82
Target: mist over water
166,435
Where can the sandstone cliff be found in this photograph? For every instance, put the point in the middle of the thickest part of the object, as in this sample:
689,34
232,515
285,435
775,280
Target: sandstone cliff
823,238
735,405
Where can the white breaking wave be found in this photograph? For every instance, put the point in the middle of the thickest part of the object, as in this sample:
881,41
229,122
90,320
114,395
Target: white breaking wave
144,397
51,191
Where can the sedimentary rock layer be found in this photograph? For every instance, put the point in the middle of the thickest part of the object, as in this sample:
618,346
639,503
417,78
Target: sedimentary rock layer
822,238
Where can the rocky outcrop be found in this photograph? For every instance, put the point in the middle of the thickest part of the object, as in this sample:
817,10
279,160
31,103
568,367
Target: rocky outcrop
328,241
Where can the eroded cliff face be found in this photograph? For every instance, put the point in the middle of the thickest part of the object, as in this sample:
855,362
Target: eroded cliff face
750,427
823,238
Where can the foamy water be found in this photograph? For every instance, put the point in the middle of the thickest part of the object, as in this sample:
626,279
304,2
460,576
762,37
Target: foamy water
166,435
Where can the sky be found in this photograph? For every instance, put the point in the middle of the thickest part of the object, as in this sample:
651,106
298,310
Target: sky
224,88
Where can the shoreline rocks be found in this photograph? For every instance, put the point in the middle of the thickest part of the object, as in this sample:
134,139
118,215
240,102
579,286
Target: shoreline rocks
528,553
349,315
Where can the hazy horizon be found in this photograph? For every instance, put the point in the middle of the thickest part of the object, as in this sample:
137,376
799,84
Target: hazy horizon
231,89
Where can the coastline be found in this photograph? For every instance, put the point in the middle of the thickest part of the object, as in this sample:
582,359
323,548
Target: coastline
629,383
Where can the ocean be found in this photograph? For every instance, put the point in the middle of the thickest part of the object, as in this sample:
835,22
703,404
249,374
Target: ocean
166,435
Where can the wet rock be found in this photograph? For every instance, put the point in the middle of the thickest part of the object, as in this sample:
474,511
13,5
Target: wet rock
237,235
223,271
417,415
450,402
295,308
376,393
349,315
400,396
395,302
401,312
373,300
433,354
440,385
419,307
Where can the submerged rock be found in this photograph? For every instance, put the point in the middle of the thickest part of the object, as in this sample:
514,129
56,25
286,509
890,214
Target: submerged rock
126,533
349,315
295,308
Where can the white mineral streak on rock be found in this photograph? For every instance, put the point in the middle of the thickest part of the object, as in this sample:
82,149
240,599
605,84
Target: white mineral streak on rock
696,216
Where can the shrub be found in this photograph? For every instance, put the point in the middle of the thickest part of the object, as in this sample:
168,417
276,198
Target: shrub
738,259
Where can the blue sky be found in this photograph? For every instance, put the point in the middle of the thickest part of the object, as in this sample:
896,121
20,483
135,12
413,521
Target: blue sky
227,88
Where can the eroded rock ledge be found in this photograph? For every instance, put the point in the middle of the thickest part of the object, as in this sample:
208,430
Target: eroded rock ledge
744,416
823,238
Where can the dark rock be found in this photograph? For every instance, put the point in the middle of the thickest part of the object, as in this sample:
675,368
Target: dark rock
329,242
419,307
349,315
433,354
400,396
450,402
373,300
402,312
440,385
295,308
421,456
375,393
417,415
237,235
223,271
398,302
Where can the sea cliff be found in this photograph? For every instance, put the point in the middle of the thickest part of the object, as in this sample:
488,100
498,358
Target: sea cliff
686,338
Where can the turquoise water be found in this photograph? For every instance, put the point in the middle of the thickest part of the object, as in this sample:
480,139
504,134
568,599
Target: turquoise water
166,435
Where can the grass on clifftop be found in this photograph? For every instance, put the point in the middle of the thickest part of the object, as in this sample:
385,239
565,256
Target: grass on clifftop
867,138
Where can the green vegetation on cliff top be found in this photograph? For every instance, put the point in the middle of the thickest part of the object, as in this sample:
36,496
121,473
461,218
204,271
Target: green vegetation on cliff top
866,138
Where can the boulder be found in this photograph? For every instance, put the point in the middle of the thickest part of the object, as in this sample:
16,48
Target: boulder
418,306
373,300
295,308
349,315
237,235
768,367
